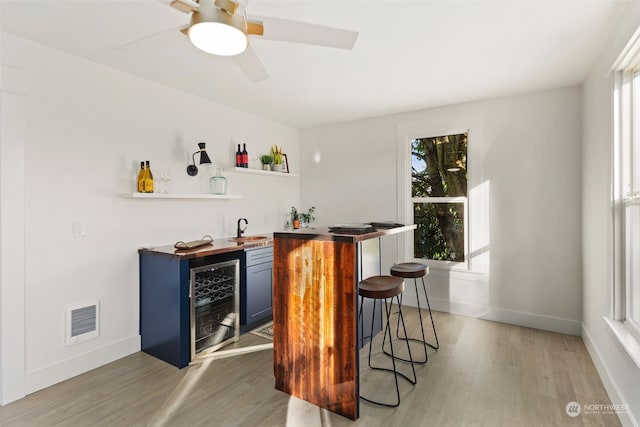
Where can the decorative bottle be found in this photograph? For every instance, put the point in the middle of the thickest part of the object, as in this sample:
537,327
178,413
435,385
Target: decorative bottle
218,183
148,179
245,156
238,157
141,176
296,221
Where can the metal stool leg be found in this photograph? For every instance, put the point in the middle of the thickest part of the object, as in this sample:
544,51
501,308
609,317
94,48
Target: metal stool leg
384,339
422,341
401,317
433,325
387,330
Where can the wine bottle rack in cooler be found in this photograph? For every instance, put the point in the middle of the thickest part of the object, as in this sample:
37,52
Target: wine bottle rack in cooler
215,318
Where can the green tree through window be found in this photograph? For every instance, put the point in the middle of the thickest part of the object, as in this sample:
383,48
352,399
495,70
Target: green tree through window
439,192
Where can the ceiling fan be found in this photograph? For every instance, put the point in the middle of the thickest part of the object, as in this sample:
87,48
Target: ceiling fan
221,27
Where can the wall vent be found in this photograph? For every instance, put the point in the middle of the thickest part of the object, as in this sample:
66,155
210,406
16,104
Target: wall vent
83,323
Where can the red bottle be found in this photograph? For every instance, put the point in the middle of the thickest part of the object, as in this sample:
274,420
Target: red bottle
245,156
238,157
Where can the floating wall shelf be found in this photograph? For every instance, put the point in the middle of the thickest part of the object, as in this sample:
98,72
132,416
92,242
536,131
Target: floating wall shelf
180,196
262,172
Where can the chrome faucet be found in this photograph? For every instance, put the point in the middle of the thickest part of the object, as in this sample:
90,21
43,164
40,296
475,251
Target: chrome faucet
241,230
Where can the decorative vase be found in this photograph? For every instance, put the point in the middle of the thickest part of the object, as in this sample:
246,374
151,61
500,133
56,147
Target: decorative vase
276,168
266,167
218,183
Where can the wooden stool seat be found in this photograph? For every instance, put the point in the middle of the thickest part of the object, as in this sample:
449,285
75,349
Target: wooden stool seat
381,287
409,270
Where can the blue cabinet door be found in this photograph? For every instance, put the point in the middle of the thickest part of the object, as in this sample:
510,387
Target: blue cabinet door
164,308
259,293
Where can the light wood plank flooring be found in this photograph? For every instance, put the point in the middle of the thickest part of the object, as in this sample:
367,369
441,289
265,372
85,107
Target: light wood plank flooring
485,374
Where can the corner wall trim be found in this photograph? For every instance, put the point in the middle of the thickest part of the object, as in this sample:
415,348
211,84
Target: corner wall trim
531,320
627,419
446,306
53,374
518,318
13,118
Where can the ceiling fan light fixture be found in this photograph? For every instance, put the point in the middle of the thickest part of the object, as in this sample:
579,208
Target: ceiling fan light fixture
218,33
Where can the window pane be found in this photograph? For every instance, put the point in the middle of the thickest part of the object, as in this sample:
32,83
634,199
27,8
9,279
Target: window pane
635,144
632,266
440,232
439,166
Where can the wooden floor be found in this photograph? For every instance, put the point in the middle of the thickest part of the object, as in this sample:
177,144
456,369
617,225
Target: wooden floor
485,374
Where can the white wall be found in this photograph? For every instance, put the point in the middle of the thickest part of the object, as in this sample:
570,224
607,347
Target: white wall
527,190
12,228
620,375
87,128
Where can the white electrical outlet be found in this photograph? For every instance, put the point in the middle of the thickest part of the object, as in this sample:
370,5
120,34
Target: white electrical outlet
79,229
266,218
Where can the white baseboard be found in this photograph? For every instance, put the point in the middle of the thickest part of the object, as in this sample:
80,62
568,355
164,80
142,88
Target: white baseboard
537,321
454,307
519,318
626,418
53,374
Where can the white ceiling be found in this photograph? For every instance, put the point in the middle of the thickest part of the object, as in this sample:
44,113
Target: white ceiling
409,54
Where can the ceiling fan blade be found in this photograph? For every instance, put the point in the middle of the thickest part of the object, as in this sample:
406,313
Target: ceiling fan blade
251,65
186,6
242,5
302,32
255,28
154,41
228,6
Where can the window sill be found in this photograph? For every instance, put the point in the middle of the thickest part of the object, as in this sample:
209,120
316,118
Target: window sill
452,267
626,338
443,265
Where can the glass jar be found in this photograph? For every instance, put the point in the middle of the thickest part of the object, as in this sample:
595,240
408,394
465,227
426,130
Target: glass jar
218,183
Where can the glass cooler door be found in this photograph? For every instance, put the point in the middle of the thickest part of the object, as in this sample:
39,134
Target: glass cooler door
215,319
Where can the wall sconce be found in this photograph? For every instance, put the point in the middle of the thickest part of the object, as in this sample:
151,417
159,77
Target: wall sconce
192,169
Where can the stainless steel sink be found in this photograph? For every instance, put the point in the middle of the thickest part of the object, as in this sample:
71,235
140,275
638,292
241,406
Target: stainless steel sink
249,239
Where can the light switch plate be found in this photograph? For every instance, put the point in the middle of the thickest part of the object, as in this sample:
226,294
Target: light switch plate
79,229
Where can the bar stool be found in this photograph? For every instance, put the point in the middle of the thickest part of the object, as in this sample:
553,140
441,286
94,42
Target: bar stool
415,270
380,288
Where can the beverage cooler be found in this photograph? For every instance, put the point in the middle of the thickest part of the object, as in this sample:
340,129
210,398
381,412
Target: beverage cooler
188,304
214,305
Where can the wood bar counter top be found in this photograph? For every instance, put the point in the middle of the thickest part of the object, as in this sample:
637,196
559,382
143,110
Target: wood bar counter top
315,305
323,233
218,246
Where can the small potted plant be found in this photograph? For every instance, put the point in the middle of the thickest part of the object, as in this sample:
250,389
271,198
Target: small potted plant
276,153
266,160
307,218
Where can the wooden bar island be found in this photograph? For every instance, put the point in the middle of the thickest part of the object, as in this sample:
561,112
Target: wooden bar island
315,307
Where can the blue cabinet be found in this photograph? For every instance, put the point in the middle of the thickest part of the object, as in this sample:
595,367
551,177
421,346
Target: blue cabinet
256,288
164,308
168,321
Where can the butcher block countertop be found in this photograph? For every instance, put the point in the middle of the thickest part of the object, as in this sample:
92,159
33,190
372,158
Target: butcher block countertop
323,233
217,247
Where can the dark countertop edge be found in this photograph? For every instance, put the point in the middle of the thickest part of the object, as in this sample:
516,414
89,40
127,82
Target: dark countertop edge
323,233
219,246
